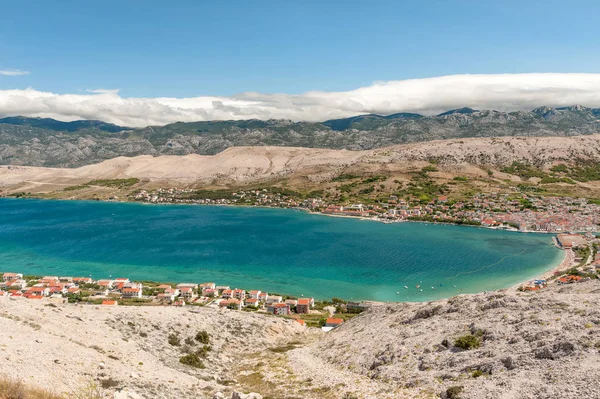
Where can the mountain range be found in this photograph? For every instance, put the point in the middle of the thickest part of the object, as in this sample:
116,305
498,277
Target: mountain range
48,142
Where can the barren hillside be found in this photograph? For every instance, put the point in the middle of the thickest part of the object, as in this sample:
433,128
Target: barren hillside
483,160
247,164
493,345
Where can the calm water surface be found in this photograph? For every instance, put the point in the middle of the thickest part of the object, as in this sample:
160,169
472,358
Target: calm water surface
273,250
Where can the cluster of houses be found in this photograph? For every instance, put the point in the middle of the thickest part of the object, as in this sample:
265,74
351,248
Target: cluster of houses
13,284
519,210
226,297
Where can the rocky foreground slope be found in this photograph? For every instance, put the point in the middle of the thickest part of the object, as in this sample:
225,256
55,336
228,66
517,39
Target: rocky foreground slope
493,345
47,142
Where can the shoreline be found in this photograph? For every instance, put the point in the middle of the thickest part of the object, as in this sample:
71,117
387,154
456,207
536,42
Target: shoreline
546,274
564,265
372,219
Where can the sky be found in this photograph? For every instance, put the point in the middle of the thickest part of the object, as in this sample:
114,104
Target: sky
132,54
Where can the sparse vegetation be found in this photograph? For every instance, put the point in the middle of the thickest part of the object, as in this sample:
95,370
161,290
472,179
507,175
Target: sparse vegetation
454,392
468,342
174,340
113,183
192,360
203,337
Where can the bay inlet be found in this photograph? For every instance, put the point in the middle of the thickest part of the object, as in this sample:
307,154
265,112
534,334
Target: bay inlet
274,250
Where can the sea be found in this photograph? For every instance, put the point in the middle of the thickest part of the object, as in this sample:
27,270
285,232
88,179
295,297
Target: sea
285,251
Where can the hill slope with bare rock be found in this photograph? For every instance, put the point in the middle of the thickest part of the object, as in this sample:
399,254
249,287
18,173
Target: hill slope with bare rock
503,344
482,163
496,345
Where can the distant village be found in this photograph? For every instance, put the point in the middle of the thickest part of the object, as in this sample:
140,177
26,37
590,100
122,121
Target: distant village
122,291
520,212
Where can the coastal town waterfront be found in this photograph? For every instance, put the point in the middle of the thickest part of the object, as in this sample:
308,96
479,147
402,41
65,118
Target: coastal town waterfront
520,211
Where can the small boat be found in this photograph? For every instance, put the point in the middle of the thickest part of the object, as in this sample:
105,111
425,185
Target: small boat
433,288
406,287
418,286
421,290
397,292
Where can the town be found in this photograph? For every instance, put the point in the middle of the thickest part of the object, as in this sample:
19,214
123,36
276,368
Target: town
123,291
520,211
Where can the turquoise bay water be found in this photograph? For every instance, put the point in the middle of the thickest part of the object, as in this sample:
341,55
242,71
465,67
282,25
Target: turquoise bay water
273,250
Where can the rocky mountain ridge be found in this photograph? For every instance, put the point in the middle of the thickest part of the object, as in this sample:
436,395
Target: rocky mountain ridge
45,142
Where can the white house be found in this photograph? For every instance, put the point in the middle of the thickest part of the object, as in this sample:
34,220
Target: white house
131,293
274,299
254,294
11,276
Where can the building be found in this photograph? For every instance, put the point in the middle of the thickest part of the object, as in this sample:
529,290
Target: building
187,285
252,302
263,297
568,241
38,291
165,297
108,284
291,302
211,286
131,292
239,294
227,294
304,305
279,308
274,299
333,322
569,279
254,294
11,276
231,304
110,303
187,293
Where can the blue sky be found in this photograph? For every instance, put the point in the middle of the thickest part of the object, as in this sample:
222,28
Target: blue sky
192,48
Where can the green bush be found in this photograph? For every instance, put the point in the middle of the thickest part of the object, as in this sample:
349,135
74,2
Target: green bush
454,392
468,342
174,340
192,360
476,373
203,337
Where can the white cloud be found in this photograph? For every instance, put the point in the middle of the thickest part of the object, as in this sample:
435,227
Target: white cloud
426,96
103,91
13,72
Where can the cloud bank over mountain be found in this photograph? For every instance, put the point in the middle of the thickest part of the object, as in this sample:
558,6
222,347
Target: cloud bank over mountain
503,92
